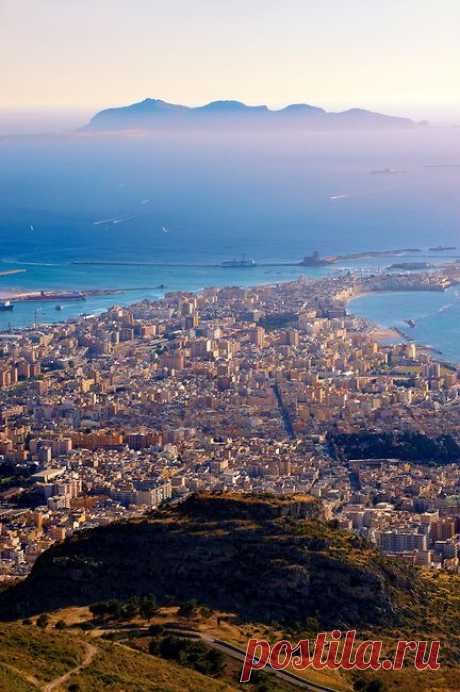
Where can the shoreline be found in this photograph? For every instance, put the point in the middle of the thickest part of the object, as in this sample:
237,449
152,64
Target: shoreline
380,333
383,334
25,296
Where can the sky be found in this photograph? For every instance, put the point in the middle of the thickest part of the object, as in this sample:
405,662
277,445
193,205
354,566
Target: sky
398,56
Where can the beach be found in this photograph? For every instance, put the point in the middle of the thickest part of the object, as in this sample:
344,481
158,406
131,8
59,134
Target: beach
436,318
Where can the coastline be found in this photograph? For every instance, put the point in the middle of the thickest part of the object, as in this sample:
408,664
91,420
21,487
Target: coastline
378,331
395,334
18,296
384,334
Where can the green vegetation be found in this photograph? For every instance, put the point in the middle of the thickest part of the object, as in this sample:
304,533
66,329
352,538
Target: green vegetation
114,609
12,475
117,667
31,657
270,564
278,320
267,560
41,654
193,654
407,446
10,680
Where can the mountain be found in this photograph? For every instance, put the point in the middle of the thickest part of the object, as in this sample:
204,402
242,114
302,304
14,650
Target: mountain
155,113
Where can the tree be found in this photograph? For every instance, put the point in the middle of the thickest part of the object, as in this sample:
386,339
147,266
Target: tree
60,625
130,609
148,607
216,662
98,609
155,647
43,620
188,608
156,630
170,647
114,608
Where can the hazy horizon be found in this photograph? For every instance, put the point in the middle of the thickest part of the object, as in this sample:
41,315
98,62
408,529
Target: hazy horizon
46,120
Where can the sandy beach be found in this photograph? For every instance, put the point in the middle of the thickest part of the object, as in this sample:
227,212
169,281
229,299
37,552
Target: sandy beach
385,334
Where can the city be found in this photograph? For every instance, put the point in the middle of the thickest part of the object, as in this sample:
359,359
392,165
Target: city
244,390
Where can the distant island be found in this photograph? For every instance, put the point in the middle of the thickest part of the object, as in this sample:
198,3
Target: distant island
156,113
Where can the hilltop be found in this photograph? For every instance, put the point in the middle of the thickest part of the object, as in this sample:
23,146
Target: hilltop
156,113
265,559
252,564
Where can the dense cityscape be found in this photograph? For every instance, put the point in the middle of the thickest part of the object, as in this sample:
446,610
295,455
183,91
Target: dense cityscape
244,390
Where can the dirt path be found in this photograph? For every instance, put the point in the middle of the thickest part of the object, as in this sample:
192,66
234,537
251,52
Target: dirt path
91,651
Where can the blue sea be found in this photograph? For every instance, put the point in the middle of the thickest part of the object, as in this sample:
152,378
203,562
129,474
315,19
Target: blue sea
436,316
189,198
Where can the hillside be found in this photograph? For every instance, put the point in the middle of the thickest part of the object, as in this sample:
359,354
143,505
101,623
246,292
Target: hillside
156,113
31,658
267,560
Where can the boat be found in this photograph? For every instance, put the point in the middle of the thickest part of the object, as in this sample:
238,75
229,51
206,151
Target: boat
411,323
238,264
59,307
6,306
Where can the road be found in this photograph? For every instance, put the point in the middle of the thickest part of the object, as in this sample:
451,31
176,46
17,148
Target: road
284,412
239,654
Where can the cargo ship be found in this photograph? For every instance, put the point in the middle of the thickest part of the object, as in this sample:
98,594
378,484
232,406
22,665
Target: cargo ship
44,295
6,306
238,264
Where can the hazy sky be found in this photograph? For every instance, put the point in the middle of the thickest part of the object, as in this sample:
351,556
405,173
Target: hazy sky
401,56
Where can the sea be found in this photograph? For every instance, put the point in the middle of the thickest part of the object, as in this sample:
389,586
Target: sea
196,200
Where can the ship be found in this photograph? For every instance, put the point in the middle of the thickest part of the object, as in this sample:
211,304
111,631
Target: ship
315,260
45,295
6,306
238,264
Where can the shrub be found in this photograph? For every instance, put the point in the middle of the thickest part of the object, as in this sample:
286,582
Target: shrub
188,608
43,620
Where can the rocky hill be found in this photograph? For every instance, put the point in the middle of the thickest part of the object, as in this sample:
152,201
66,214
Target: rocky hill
265,559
